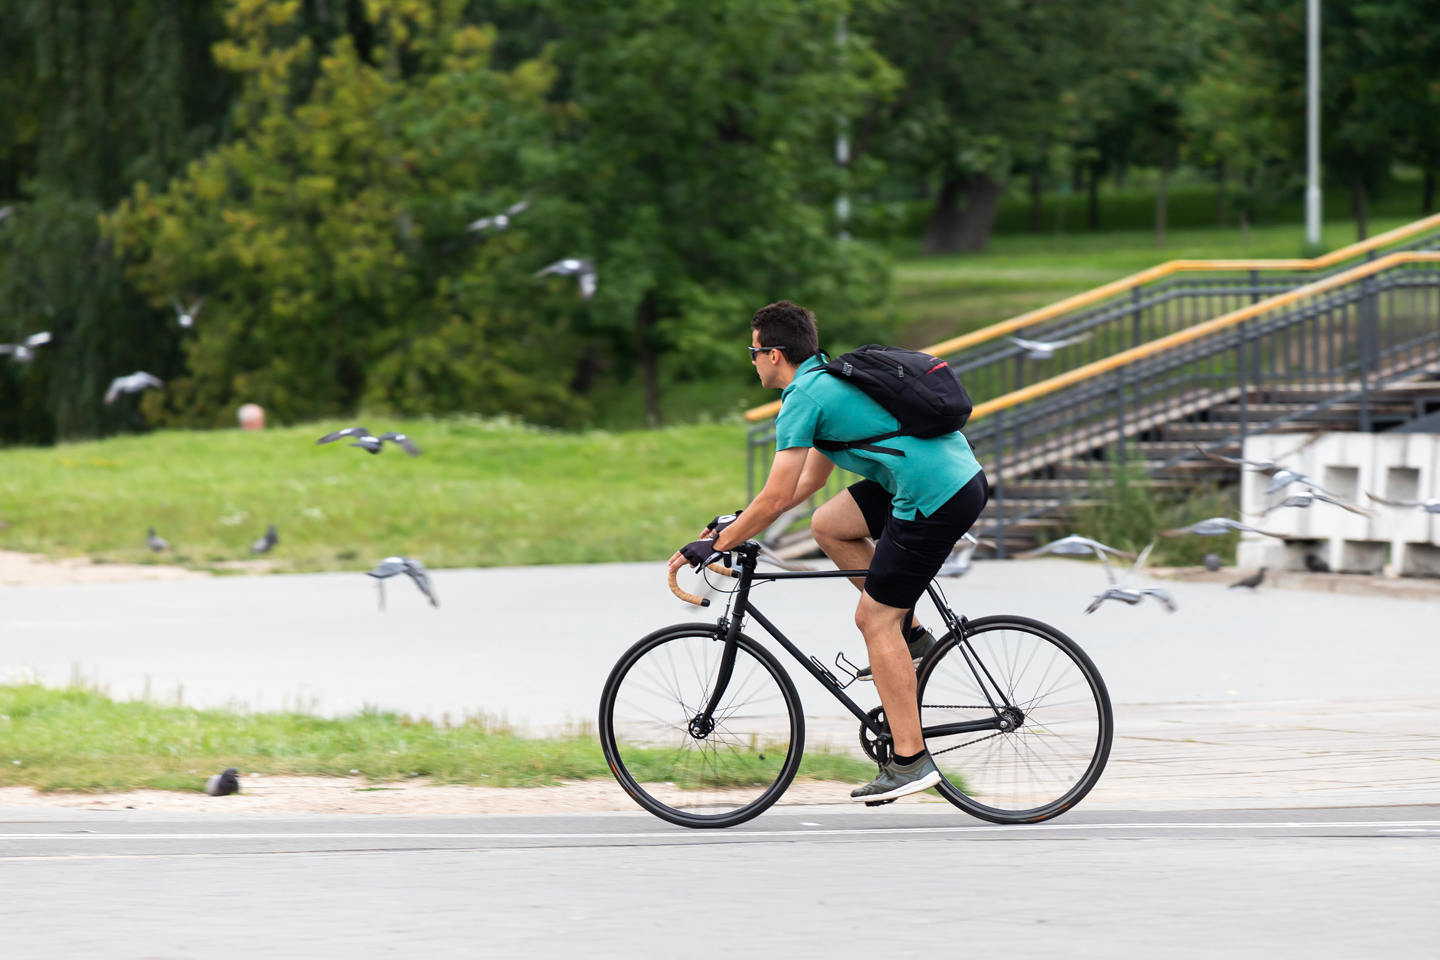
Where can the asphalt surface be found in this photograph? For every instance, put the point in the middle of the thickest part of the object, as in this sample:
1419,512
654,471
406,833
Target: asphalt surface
812,882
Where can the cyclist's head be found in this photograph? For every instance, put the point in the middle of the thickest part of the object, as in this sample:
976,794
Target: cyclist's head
788,326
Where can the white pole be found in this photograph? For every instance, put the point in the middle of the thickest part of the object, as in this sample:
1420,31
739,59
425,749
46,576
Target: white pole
1312,124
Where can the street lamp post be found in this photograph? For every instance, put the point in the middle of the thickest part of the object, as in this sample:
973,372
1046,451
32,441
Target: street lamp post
1312,124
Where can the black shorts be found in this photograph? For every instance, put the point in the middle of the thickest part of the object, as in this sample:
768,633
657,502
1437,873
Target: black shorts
908,553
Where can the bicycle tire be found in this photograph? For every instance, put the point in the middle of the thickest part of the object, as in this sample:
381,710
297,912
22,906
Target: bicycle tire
645,711
1053,757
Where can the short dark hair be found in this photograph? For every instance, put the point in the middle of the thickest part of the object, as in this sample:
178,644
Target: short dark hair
788,326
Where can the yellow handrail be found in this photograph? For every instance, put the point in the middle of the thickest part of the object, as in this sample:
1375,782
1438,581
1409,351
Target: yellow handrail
1199,330
1097,294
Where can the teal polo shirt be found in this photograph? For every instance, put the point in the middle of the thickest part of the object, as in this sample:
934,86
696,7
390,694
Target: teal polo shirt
819,405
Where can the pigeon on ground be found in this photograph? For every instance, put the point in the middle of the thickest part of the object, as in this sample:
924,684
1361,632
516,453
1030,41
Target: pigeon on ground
187,315
414,569
265,543
582,270
1044,349
1131,595
1251,581
1211,561
5,213
1307,498
374,444
223,784
134,383
156,542
1429,506
1216,527
24,351
500,220
341,434
1316,564
958,563
1075,546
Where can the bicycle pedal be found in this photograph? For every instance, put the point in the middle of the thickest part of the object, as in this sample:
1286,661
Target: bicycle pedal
877,803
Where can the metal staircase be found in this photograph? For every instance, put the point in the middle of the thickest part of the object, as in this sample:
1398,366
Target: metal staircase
1189,353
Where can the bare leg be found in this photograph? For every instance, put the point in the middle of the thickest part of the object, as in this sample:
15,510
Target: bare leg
893,672
840,529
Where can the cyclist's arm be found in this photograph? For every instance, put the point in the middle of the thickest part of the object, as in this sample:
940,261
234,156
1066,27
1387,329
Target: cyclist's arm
786,471
818,468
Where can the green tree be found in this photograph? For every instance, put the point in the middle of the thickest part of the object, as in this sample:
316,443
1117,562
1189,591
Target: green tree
699,177
96,97
329,237
981,98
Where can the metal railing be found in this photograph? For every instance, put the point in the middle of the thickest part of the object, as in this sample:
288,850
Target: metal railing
1151,308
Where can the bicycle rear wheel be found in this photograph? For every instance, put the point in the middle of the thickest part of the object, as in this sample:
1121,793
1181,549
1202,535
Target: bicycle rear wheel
679,770
1060,710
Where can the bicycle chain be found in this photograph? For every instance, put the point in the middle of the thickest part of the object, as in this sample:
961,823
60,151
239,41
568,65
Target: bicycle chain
963,706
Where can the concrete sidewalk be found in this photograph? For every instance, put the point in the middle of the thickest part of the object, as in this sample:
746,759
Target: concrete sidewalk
1271,697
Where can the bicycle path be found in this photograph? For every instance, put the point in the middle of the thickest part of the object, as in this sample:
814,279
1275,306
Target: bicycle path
1241,697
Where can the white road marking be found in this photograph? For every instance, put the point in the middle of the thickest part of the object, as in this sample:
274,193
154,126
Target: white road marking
671,835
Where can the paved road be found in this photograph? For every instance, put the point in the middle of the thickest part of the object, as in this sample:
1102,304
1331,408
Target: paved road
807,883
534,644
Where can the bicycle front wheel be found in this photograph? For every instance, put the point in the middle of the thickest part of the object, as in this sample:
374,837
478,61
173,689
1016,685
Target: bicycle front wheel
1054,703
681,768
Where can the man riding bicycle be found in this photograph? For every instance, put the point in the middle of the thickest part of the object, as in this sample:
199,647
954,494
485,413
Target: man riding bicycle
900,523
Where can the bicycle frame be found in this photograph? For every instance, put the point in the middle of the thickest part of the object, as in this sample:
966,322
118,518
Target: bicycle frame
740,605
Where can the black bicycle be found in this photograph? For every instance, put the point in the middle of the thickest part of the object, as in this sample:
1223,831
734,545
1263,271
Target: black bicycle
702,726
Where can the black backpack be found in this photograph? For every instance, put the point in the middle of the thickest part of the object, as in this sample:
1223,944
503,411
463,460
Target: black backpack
915,388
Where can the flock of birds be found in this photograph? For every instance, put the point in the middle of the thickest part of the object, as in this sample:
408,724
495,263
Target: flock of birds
387,568
1120,587
583,270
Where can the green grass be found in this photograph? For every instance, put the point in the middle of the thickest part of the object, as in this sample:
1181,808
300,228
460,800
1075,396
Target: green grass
483,493
944,296
81,740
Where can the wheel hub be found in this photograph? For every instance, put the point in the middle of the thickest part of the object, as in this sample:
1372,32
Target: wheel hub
1011,719
701,727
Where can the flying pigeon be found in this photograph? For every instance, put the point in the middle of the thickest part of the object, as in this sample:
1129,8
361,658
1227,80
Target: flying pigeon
374,444
156,542
1280,477
1211,561
185,315
582,270
414,569
263,545
500,220
223,784
24,351
1075,546
347,432
1307,498
958,563
134,383
1429,506
1044,349
1216,527
1131,595
1251,581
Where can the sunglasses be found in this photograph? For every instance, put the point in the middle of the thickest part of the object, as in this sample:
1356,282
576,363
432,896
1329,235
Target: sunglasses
756,351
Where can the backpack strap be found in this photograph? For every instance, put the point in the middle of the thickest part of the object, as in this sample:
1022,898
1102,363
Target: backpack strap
869,443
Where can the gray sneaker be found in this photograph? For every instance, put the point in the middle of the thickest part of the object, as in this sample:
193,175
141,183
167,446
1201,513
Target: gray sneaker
919,645
898,780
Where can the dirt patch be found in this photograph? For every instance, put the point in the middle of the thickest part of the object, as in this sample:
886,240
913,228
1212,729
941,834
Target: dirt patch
292,795
27,569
